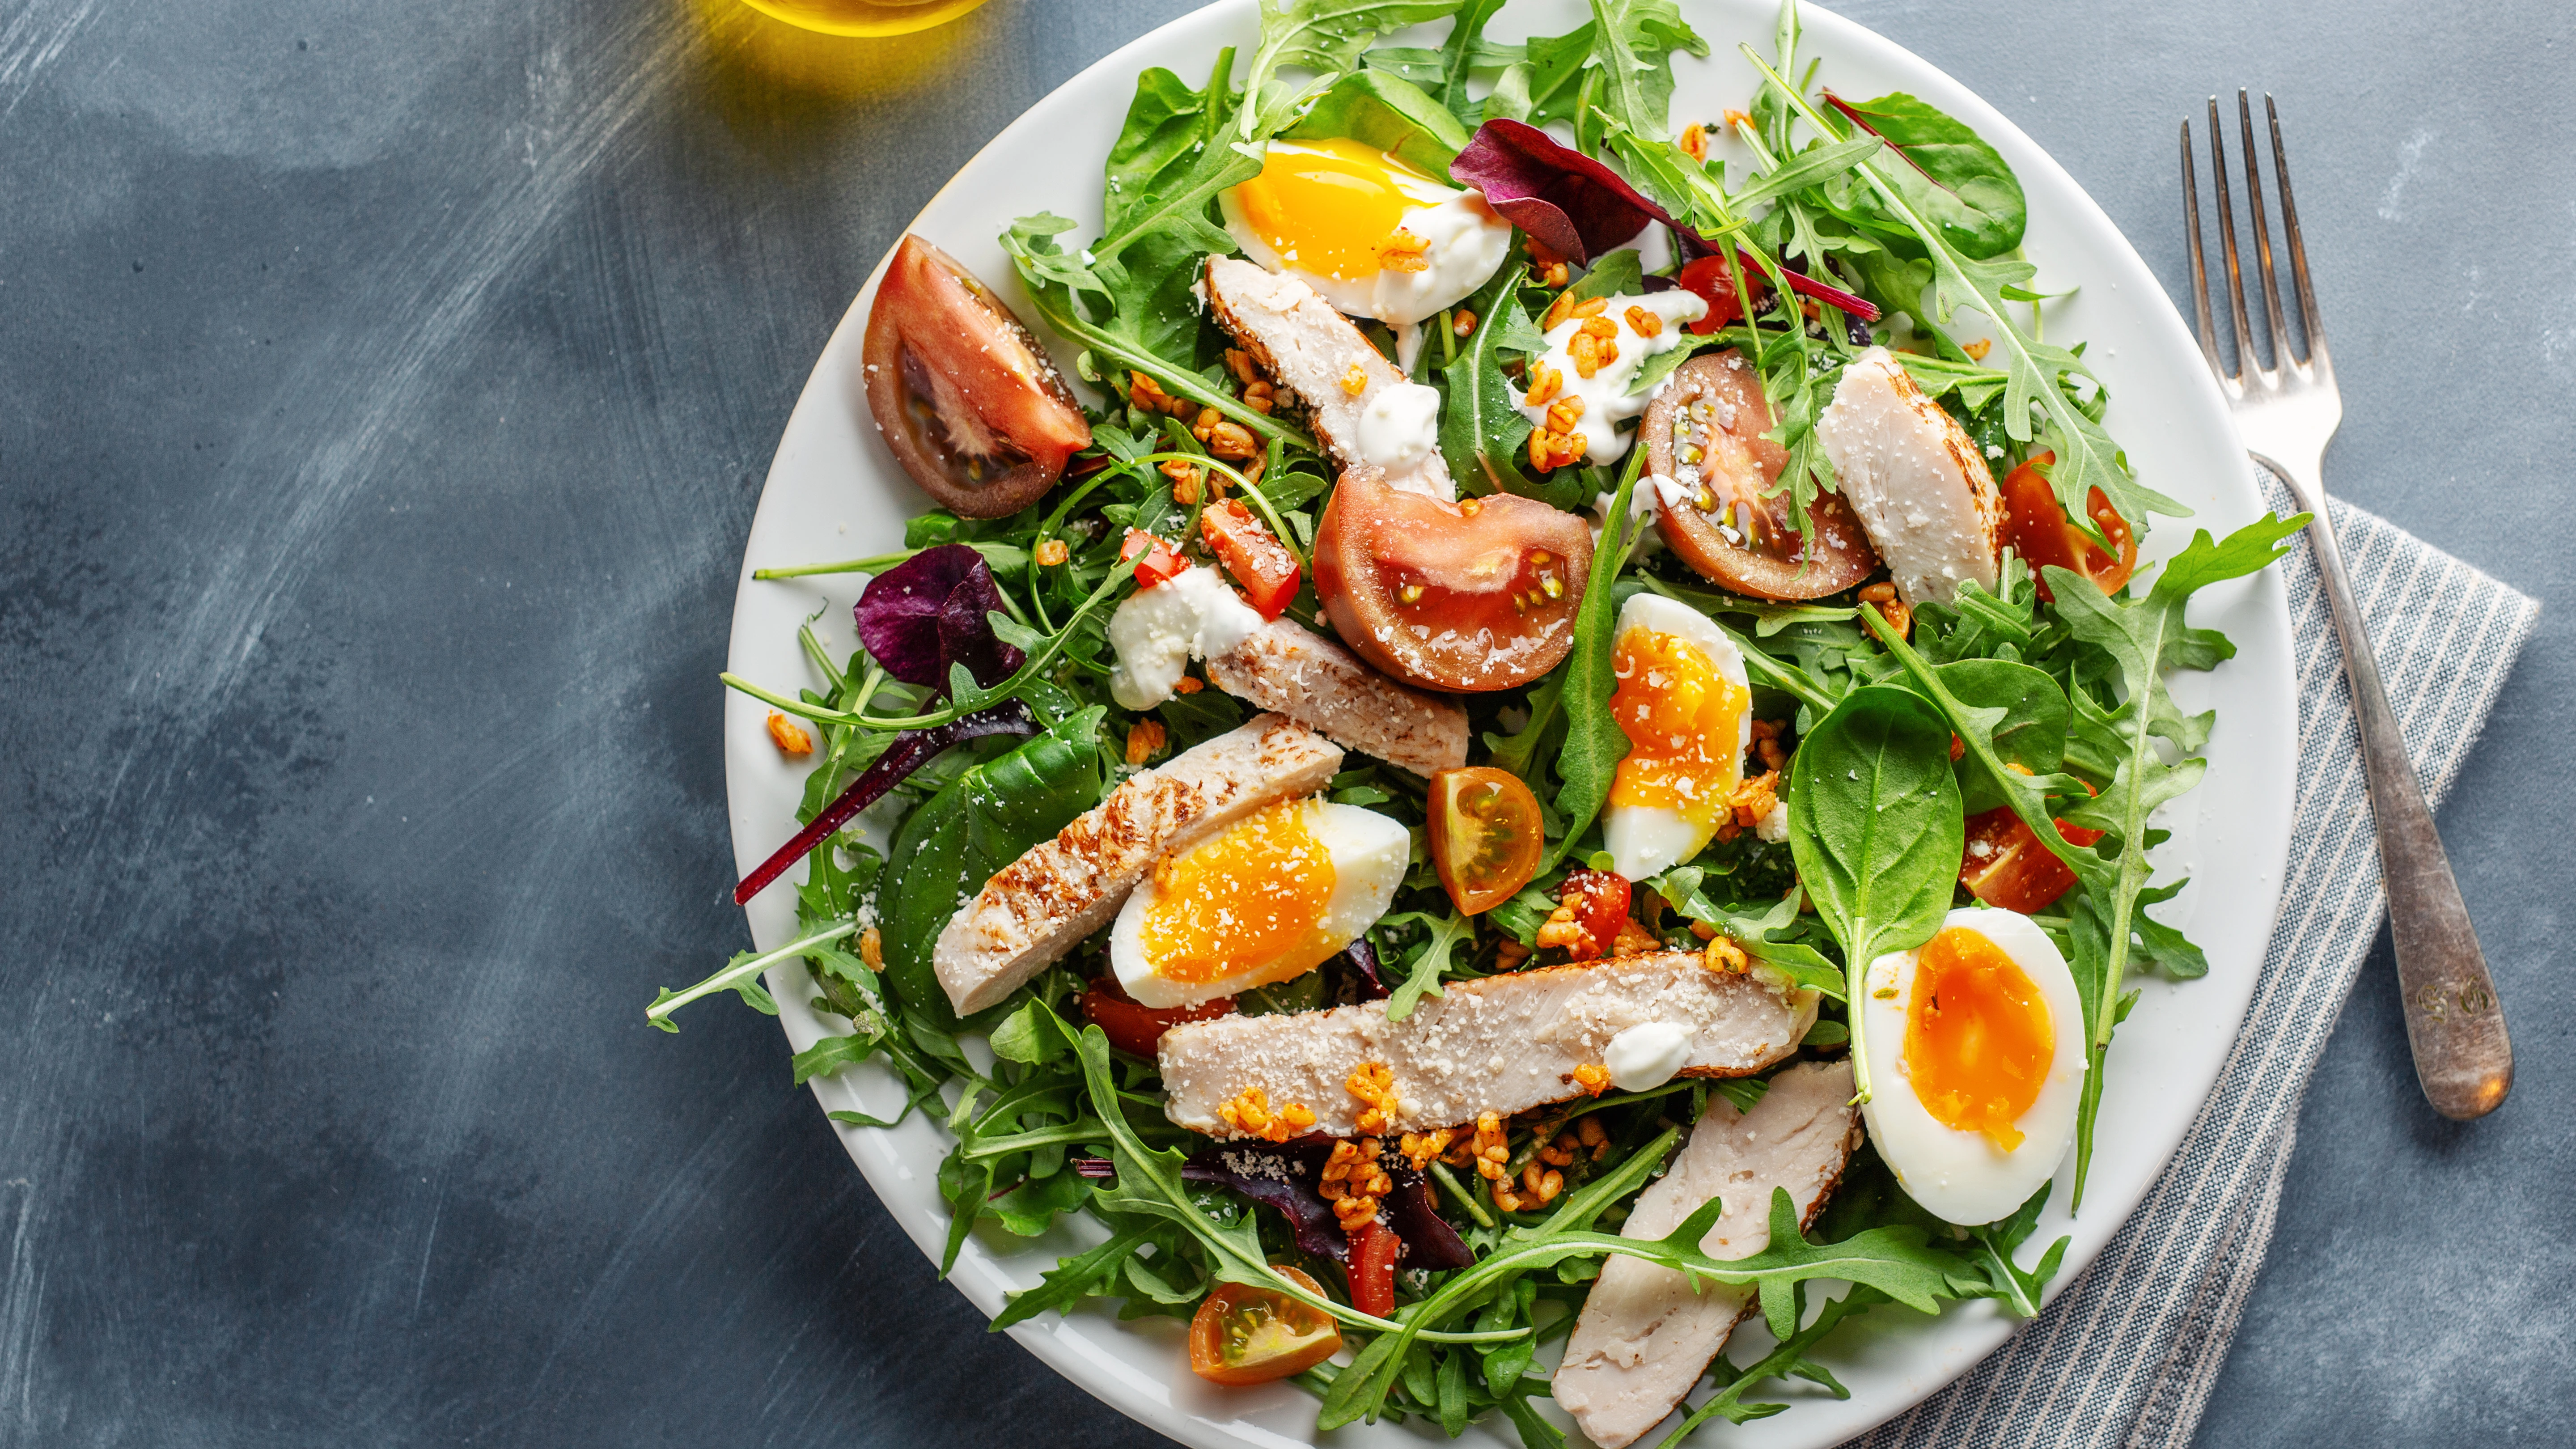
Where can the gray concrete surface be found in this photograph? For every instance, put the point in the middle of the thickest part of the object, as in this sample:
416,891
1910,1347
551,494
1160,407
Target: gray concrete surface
384,393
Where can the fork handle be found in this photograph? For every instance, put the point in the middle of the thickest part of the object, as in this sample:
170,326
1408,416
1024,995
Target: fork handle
2454,1022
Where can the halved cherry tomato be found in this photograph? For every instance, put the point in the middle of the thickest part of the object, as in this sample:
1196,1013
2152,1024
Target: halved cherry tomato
1244,1335
1372,1269
1268,572
2004,864
1138,1030
1486,835
1156,561
1709,277
965,397
1600,901
1704,431
2039,530
1475,595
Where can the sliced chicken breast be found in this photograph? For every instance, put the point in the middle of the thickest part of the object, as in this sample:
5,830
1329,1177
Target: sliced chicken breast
1312,350
1289,668
1645,1336
1044,904
1501,1044
1918,484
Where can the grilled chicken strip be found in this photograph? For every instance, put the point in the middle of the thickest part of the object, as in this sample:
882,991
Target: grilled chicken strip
1645,1336
1918,484
1501,1044
1045,903
1312,350
1323,686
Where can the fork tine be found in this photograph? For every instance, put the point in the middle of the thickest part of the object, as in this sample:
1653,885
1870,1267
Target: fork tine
2309,321
2262,235
2199,269
2245,362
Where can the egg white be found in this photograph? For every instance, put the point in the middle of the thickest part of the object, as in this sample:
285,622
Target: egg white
1647,840
1369,853
1467,242
1959,1176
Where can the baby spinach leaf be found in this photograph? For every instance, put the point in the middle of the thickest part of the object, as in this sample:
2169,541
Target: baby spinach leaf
1169,162
985,819
1876,828
1952,177
2028,722
1389,113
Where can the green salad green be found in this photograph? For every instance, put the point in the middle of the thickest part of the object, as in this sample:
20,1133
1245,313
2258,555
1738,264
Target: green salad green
1899,732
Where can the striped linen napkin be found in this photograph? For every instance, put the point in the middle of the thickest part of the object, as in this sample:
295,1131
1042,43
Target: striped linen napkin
2125,1359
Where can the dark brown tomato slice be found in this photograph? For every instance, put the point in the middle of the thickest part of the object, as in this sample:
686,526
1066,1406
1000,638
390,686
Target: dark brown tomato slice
1704,431
1475,595
962,393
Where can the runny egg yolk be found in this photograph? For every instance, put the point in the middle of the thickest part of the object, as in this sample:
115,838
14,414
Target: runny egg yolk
1333,207
1251,900
1683,719
1978,1037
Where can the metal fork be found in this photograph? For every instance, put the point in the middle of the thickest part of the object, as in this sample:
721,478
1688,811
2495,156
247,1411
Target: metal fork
2287,413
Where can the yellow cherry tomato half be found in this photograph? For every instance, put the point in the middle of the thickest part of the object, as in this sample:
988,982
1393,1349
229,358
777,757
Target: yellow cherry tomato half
1246,1335
1486,835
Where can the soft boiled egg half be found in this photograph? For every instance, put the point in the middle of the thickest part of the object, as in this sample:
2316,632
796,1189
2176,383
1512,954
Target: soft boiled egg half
1370,234
1686,708
1270,898
1976,1064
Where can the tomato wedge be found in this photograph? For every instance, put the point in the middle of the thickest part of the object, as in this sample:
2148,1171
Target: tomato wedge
1476,595
2004,864
1156,561
1486,835
963,395
1372,1270
1244,1335
2038,529
1600,901
1265,568
1704,430
1709,277
1138,1030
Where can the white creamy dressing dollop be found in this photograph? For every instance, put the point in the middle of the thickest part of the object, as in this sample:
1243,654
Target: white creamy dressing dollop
1400,427
1647,1055
1605,394
1158,631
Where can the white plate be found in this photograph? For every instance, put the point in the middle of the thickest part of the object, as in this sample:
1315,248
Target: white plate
834,492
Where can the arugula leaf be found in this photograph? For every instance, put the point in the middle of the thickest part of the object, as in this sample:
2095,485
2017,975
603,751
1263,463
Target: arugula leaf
1635,41
1952,177
1802,964
1896,1261
1520,753
1168,163
1423,972
1482,433
2017,1290
1324,36
1459,56
1594,743
985,819
1387,112
2087,458
1876,829
1073,1279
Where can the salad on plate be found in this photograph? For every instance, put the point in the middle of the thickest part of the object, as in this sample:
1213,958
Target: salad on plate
1550,743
